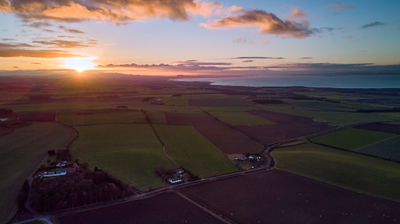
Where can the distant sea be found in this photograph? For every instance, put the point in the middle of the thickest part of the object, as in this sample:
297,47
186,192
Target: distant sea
321,81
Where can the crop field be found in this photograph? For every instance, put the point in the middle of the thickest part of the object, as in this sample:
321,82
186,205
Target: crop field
280,197
351,138
220,102
240,118
22,151
193,151
285,127
336,118
389,149
383,127
100,117
164,208
130,152
321,106
228,140
156,117
353,171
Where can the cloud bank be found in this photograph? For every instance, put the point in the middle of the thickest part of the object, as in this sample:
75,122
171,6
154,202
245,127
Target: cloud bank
118,11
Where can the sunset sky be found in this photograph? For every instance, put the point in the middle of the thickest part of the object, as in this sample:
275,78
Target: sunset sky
199,37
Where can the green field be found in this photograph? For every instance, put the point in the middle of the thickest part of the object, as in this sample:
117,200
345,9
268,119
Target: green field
337,118
240,118
389,149
130,152
351,138
96,117
21,153
193,151
349,170
156,117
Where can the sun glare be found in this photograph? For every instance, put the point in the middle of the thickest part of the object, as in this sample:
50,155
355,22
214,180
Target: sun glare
79,64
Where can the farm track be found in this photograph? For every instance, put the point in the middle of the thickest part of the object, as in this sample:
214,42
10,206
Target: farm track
220,218
164,148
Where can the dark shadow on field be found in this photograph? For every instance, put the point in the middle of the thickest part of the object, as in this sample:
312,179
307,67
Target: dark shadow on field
280,197
286,127
383,127
227,139
164,208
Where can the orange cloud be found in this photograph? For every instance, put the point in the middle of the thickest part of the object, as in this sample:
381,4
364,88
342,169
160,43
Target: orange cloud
26,50
267,22
65,43
118,11
297,14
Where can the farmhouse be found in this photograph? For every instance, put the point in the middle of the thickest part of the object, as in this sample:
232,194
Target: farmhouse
174,180
2,119
54,173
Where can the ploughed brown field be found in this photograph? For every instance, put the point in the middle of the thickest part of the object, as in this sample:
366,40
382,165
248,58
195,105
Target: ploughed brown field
227,139
281,197
164,208
286,127
383,127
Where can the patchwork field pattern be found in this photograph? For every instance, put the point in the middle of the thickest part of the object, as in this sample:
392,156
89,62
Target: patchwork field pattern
240,118
357,172
285,127
227,139
101,117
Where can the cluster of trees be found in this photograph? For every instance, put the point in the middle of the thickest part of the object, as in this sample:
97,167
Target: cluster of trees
81,187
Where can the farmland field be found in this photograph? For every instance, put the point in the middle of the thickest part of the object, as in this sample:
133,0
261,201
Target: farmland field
389,149
156,117
280,197
383,127
100,117
346,169
351,138
334,117
225,138
285,127
220,102
242,118
130,152
164,208
193,151
22,151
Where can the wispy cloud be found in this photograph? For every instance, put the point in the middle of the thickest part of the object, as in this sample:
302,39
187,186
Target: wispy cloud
258,58
340,6
279,68
243,40
373,24
65,43
70,30
27,50
267,22
297,14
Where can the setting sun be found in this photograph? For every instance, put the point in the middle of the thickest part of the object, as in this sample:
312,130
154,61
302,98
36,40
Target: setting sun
79,64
